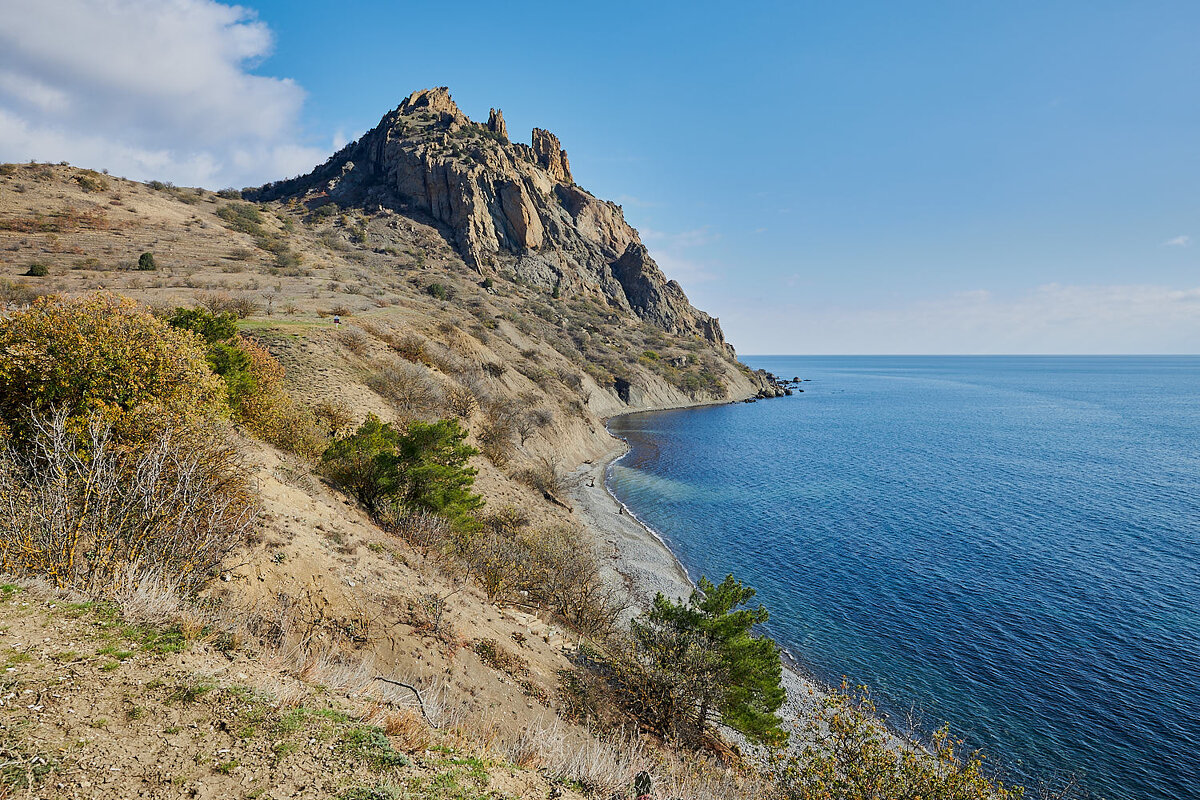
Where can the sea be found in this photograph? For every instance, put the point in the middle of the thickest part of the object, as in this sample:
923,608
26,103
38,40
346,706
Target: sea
1010,545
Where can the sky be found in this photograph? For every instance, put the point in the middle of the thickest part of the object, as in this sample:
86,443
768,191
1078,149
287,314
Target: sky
855,177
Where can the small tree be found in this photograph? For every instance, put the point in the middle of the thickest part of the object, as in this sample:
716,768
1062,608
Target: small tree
423,468
706,649
226,355
146,262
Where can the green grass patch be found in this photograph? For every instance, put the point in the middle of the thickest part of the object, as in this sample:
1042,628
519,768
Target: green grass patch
190,693
161,641
14,657
370,744
384,791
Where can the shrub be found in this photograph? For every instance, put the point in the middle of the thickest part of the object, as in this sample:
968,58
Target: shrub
146,262
288,259
37,271
100,355
78,507
421,529
566,580
91,182
292,427
852,755
498,563
407,386
423,468
221,302
211,327
226,356
242,217
254,389
460,401
335,415
442,357
495,439
543,475
353,339
554,567
437,291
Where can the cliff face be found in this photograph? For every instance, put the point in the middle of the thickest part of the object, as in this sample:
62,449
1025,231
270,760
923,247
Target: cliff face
503,205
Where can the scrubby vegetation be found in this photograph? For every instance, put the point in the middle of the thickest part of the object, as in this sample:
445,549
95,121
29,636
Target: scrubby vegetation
100,359
853,756
690,660
130,472
113,453
394,472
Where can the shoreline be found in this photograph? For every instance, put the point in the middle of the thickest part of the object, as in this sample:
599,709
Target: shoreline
635,558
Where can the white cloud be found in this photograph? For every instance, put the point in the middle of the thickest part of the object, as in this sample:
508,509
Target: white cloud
1178,241
670,252
147,89
1053,318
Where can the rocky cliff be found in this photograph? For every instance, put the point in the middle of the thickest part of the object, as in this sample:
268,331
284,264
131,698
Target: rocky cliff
505,206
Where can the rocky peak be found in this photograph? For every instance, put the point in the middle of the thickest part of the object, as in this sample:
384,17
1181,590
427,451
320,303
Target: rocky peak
434,101
551,157
505,206
496,124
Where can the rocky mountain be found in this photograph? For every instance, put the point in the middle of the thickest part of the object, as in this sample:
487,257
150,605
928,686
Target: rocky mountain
505,206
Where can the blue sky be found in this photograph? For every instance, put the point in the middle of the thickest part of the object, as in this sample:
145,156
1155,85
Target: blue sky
884,177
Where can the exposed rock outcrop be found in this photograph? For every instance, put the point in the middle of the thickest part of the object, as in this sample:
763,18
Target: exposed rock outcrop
551,157
504,206
496,124
658,300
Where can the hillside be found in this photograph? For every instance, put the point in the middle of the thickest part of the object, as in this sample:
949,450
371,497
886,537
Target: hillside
377,295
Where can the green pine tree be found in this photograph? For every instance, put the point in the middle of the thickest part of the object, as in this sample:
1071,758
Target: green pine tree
423,467
730,671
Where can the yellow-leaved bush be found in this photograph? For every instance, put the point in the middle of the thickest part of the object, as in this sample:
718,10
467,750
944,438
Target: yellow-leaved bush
100,356
115,458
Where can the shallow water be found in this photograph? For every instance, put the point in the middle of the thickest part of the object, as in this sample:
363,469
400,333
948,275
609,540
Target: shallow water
1010,544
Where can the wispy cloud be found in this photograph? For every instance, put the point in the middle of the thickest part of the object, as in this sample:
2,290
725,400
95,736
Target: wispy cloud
1053,318
675,253
635,202
1178,241
697,237
147,90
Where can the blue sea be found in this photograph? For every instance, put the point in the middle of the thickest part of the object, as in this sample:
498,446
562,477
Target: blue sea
1007,544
